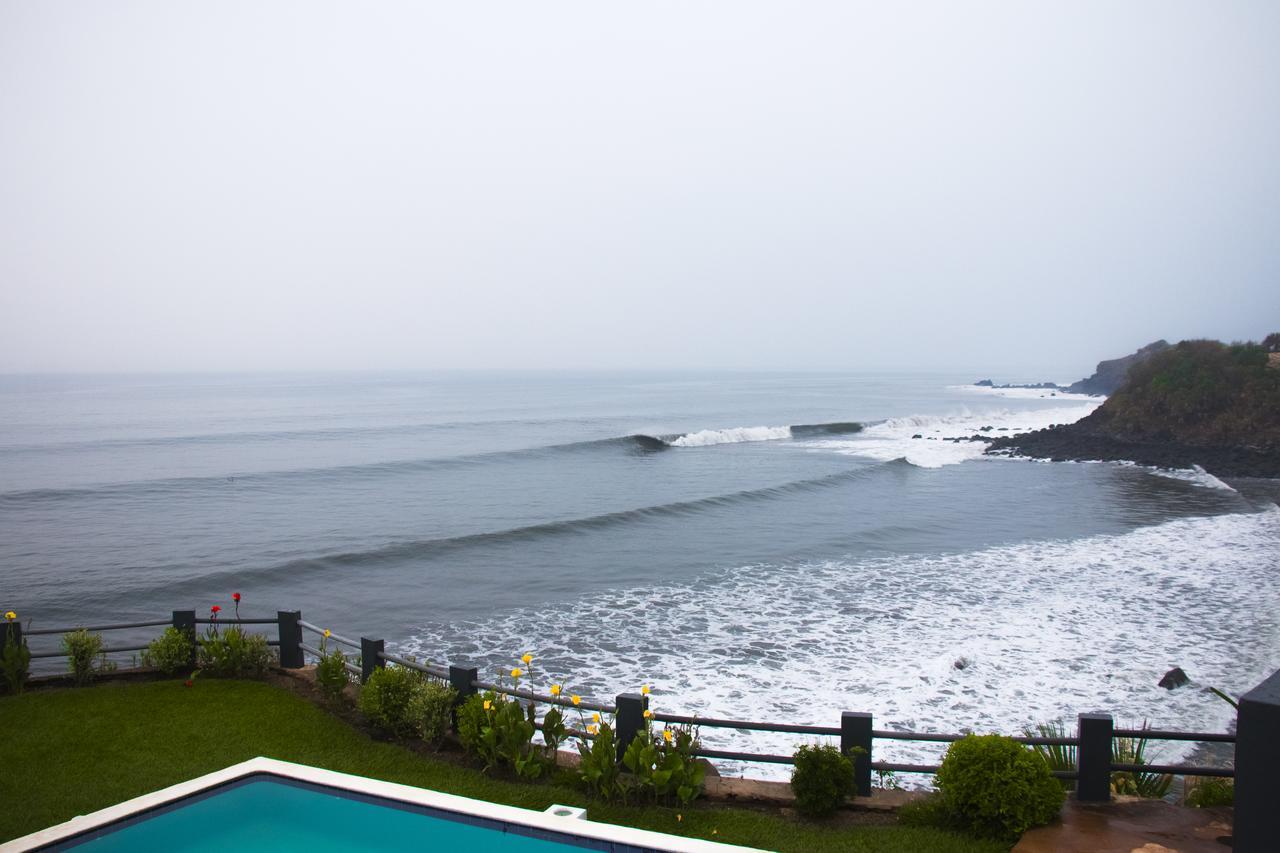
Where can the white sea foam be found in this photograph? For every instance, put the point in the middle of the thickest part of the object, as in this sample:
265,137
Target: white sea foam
893,439
1049,629
1194,474
706,437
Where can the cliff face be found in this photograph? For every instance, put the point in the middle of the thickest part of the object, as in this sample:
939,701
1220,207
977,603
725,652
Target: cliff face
1111,374
1198,403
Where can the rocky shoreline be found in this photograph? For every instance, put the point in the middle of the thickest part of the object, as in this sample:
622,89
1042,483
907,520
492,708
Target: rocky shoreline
1072,444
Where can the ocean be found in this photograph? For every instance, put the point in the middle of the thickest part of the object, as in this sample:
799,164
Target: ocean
726,538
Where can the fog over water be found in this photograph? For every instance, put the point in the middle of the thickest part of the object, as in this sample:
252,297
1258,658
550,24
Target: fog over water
324,185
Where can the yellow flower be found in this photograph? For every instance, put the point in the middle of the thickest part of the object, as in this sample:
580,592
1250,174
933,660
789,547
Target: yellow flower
555,690
528,658
679,817
487,704
645,690
327,633
647,713
595,717
576,699
516,673
11,615
591,730
666,735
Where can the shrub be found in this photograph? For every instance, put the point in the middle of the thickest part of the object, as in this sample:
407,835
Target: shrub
170,652
994,787
664,766
599,769
15,663
233,653
1211,792
384,698
821,780
83,651
1126,750
431,709
331,674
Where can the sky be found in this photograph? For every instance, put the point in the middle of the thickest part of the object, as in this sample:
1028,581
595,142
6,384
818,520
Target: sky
815,185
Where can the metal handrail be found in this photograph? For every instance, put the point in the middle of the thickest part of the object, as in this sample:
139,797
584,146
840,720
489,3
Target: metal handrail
38,631
346,641
561,700
1160,734
230,621
1175,769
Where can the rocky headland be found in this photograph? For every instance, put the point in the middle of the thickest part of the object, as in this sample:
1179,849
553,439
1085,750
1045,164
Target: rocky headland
1198,402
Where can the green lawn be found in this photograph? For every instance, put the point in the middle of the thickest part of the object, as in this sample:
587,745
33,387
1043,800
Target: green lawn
71,751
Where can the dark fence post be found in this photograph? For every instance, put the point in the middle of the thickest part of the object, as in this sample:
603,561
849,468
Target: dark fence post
290,624
185,621
1094,758
855,731
630,719
371,657
462,679
1257,826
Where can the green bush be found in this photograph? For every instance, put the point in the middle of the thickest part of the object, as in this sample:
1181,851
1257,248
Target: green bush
1211,792
331,674
15,663
84,655
994,787
664,767
169,652
233,653
384,698
431,710
821,779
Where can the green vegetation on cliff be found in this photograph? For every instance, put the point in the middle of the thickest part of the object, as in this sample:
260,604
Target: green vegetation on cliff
1197,393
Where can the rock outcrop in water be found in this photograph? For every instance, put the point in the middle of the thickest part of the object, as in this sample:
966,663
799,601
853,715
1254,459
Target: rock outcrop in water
1108,376
1197,403
1111,374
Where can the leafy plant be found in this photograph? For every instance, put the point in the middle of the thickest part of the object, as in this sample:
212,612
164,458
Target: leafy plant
664,767
598,768
170,652
1211,792
234,653
1126,750
84,655
430,709
821,779
994,787
331,671
15,663
1059,757
384,698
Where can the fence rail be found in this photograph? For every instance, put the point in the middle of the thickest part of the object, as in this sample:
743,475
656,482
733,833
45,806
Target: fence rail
1093,741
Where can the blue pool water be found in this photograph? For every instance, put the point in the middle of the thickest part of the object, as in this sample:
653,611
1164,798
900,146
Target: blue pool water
270,814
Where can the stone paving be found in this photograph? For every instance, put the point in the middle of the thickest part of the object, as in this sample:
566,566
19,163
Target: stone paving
1131,825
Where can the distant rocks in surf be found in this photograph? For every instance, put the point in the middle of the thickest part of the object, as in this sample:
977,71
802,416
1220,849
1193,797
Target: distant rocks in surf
1174,679
1107,377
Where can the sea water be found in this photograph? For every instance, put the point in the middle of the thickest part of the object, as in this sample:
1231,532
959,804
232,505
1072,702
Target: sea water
725,538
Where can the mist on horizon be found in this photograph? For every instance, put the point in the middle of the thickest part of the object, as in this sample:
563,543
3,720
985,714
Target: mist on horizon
829,186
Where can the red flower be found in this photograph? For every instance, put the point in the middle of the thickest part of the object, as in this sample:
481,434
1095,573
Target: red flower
235,596
188,683
214,609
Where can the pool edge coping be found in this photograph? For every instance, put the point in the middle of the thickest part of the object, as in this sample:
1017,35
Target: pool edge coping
374,787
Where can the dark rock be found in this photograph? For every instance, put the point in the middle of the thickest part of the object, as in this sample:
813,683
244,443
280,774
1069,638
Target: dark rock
985,429
1111,374
961,663
985,383
1174,678
917,435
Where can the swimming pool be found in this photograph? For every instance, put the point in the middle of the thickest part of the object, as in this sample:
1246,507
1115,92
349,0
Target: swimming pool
264,804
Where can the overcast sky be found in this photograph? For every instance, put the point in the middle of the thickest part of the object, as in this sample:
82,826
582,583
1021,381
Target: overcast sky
271,185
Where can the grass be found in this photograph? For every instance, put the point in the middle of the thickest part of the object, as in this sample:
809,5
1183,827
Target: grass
72,751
